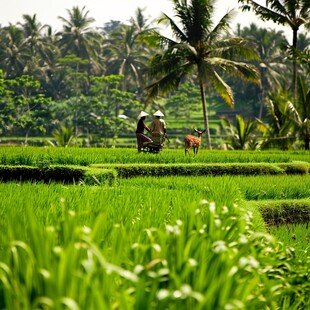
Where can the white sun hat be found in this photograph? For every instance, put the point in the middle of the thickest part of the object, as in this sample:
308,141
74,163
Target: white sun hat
158,113
142,113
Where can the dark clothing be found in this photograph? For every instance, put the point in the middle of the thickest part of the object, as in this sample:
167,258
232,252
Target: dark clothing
142,139
140,126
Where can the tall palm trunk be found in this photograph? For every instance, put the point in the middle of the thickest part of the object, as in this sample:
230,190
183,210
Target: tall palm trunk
307,140
295,66
262,92
205,115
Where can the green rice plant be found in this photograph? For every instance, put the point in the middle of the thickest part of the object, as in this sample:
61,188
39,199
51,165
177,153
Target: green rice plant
87,156
150,243
130,201
226,276
60,267
207,258
296,236
274,187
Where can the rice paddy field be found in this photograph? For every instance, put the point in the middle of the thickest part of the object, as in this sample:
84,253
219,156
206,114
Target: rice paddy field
149,242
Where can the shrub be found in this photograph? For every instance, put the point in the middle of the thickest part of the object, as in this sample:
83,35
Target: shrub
132,170
60,173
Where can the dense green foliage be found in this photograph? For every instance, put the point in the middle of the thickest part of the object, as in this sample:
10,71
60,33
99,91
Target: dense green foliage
91,82
122,230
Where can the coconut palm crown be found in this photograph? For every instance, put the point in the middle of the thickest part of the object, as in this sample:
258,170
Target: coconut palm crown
294,13
199,48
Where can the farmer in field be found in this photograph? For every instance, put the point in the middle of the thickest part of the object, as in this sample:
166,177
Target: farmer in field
158,127
142,139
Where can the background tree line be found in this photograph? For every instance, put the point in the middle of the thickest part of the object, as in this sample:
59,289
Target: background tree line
95,80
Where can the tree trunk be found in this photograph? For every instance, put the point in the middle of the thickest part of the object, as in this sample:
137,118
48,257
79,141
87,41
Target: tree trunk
294,86
307,144
262,91
205,116
307,140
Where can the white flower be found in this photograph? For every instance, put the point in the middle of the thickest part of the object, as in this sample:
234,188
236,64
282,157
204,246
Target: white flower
162,294
218,223
157,247
169,229
219,247
138,269
179,222
224,210
243,239
192,262
86,230
212,207
233,271
186,289
177,294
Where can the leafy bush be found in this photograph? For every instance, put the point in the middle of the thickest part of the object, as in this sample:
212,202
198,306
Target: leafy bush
65,174
285,211
132,170
295,168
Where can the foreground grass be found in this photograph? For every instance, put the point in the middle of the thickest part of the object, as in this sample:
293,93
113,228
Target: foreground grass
296,236
157,245
149,243
154,201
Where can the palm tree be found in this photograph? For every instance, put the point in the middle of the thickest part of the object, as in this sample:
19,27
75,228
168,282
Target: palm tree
14,54
125,56
141,22
294,13
37,38
34,34
302,111
202,48
272,59
126,52
78,38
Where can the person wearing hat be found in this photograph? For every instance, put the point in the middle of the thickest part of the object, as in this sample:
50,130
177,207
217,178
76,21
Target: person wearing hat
142,139
158,127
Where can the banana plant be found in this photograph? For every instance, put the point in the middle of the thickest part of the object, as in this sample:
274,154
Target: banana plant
64,136
289,120
242,135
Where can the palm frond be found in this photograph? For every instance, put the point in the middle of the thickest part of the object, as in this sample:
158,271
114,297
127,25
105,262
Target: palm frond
236,48
177,32
155,39
245,71
166,84
221,27
223,89
266,13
